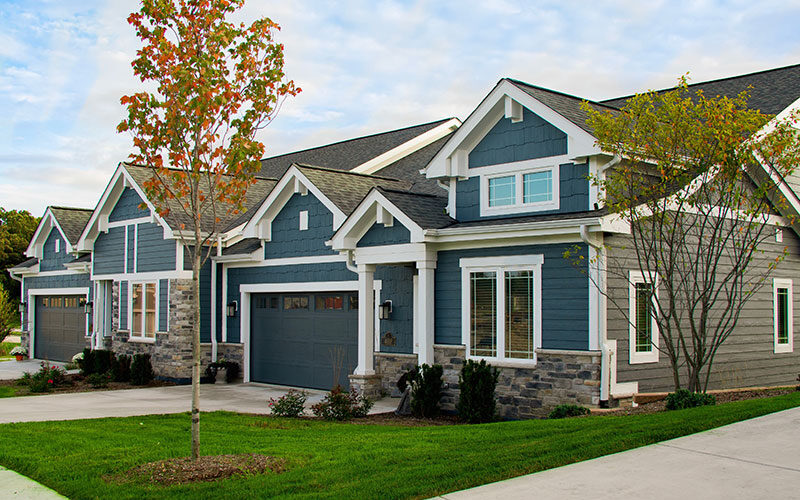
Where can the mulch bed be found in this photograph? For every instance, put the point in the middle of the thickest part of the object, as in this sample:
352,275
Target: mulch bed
208,468
722,397
389,418
78,383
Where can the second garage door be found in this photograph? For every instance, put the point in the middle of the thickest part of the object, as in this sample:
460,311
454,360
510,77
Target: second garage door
304,340
60,327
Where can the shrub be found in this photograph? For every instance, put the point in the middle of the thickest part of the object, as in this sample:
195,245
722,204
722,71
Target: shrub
683,398
141,369
40,385
231,371
341,405
426,391
103,361
477,382
564,411
45,379
288,405
121,368
99,379
86,362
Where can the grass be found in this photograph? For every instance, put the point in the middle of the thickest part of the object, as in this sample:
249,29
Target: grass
338,460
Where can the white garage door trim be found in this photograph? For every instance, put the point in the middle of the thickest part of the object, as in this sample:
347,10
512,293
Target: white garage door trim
33,292
307,286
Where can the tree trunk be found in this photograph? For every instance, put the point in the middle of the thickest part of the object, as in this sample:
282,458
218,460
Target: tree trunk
196,351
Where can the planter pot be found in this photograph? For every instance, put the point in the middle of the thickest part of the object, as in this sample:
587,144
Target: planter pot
19,357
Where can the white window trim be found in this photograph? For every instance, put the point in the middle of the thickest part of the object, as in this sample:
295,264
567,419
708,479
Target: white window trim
518,170
782,283
500,265
142,337
634,357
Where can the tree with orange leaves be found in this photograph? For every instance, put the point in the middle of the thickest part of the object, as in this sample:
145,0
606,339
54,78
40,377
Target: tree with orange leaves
216,84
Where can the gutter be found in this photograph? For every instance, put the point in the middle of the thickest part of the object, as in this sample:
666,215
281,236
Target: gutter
605,356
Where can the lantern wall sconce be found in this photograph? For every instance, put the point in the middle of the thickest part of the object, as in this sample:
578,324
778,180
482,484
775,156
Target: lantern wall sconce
232,308
385,310
88,307
22,306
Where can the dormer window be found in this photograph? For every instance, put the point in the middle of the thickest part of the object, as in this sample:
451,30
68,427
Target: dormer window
519,187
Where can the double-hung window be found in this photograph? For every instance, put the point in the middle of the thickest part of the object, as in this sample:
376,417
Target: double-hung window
643,345
525,186
501,304
143,310
783,310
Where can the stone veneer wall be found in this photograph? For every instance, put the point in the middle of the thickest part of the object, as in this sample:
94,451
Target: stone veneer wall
559,377
228,352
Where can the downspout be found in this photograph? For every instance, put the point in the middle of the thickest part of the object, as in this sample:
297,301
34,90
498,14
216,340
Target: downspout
605,352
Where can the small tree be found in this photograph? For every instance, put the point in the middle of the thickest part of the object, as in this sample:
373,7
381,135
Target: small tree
216,84
8,314
696,184
16,230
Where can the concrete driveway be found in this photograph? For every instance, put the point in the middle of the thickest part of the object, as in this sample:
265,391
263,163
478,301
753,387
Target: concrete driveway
10,370
758,458
246,398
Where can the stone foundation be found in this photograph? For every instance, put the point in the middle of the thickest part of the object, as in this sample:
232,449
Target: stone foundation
227,352
368,385
391,367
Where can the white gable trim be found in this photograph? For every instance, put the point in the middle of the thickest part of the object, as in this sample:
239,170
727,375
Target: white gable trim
99,219
43,230
374,208
292,182
450,161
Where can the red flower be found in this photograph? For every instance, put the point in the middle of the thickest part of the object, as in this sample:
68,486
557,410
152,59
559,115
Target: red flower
50,381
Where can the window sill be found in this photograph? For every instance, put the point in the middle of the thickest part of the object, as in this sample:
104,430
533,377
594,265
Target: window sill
642,360
506,363
783,348
141,340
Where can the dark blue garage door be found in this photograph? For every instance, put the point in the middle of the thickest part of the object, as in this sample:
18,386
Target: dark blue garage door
304,340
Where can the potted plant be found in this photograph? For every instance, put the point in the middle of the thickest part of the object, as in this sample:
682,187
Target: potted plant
20,352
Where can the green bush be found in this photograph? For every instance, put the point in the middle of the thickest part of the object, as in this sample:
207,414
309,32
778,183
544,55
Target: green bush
341,405
564,411
121,368
40,385
99,379
86,363
141,369
231,371
477,382
288,405
47,378
103,361
683,398
426,391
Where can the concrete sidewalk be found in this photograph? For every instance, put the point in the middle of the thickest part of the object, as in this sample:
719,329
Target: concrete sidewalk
18,486
11,370
246,398
758,458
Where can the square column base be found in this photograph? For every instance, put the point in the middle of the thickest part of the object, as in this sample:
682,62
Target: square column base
368,385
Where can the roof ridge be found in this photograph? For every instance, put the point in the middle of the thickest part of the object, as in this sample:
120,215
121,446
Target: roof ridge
715,80
357,138
401,191
557,92
139,165
328,169
60,207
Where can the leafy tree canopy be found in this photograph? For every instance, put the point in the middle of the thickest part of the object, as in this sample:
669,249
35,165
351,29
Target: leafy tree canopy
16,230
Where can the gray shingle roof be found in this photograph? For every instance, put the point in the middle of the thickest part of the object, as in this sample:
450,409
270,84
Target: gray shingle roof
243,247
256,194
772,91
345,155
428,211
408,168
347,189
72,221
26,263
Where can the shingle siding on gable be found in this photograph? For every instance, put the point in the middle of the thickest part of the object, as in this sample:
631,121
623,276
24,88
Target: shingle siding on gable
154,252
573,187
62,281
565,295
379,235
109,252
526,140
52,261
127,207
289,241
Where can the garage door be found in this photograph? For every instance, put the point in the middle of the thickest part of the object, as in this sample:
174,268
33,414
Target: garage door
60,327
304,340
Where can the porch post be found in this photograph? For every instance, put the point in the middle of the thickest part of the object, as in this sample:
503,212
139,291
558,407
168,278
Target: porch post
366,320
425,307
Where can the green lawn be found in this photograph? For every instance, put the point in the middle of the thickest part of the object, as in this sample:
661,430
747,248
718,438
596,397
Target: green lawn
327,460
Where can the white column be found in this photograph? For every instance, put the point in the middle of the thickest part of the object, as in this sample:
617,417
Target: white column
366,320
425,308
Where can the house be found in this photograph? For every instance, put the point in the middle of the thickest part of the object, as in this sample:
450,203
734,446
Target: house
428,244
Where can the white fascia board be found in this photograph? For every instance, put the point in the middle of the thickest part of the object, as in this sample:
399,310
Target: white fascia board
81,267
365,215
407,148
510,231
280,195
579,142
41,233
254,256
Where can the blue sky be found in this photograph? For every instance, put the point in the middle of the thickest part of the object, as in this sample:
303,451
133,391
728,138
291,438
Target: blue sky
364,66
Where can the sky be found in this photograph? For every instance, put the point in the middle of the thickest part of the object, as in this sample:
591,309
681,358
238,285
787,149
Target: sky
364,67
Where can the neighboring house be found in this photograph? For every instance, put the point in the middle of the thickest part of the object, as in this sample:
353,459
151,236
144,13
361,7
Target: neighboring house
430,244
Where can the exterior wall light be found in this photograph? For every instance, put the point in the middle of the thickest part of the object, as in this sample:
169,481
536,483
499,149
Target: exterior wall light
87,307
232,308
22,306
385,310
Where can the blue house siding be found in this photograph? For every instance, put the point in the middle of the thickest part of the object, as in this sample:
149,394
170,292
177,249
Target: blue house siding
379,235
508,142
573,194
289,241
163,305
62,281
205,302
131,244
565,295
398,286
154,252
127,207
52,260
220,307
237,276
108,256
123,305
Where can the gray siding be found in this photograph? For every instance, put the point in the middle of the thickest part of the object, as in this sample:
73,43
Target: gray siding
52,260
565,295
379,235
289,241
573,194
123,305
163,305
398,286
127,207
509,142
62,281
131,244
746,359
109,252
154,252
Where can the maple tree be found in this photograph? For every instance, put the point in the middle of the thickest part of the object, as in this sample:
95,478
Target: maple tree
216,84
695,180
